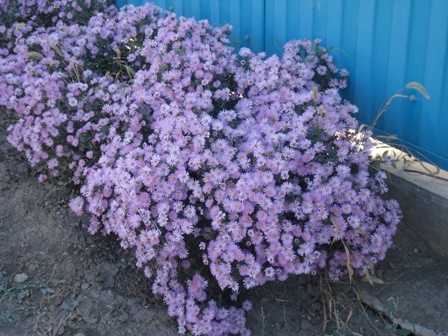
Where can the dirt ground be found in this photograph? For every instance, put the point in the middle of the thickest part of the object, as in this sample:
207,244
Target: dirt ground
56,279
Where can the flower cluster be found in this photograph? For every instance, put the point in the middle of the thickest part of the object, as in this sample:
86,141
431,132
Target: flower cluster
221,171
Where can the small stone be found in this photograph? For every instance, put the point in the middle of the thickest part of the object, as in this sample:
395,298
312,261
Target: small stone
84,286
306,325
61,331
21,277
317,306
58,300
123,317
415,250
108,317
93,320
4,186
80,334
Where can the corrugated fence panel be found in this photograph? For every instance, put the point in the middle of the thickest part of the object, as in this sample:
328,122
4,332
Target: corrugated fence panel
434,119
384,44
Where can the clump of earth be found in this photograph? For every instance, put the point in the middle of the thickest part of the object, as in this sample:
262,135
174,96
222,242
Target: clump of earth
56,279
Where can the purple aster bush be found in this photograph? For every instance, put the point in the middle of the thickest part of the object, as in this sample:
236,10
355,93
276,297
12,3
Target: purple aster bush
23,17
65,88
43,13
151,196
256,187
321,175
221,171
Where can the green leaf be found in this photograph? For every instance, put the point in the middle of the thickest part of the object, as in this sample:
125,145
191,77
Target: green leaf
22,295
403,332
71,306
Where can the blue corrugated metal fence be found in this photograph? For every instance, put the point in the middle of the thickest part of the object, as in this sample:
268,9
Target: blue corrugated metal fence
384,44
